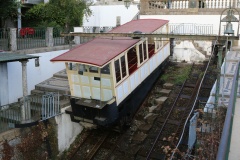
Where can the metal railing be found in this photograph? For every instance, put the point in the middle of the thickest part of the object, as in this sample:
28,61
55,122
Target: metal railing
92,29
50,105
29,109
57,38
191,28
32,1
223,148
186,4
4,39
28,38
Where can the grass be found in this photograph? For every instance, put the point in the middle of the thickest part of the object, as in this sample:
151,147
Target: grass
176,75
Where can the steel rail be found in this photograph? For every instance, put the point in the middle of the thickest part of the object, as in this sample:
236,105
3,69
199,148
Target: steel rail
188,106
194,102
167,118
77,149
96,147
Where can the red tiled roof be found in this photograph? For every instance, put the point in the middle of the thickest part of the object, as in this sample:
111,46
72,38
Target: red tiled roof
99,51
143,25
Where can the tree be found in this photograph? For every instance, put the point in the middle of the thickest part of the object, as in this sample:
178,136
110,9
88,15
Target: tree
64,13
8,11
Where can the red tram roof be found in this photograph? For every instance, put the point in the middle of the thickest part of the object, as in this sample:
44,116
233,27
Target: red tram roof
99,51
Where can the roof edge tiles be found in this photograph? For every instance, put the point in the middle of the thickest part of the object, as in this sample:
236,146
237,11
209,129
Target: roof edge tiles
12,57
100,51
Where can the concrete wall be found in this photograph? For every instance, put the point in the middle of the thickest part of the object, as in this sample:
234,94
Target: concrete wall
106,15
35,75
3,84
67,130
185,51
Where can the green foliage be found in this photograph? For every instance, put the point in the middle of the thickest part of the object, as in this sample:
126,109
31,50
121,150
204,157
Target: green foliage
64,13
8,10
176,76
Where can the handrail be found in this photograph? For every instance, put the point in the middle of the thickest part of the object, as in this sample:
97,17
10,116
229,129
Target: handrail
226,133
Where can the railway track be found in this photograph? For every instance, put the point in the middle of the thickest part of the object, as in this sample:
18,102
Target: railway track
149,139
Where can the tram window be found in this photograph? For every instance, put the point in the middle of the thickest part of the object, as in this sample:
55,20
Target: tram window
70,66
105,69
93,69
117,70
140,53
145,50
81,68
123,65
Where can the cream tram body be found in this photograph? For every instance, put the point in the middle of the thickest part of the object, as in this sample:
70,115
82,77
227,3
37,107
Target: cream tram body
118,78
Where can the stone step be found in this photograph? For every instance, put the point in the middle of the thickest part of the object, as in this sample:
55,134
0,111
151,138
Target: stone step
168,86
34,91
165,92
201,50
61,74
54,84
40,93
62,102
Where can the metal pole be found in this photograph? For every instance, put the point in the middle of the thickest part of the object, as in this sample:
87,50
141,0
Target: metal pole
220,49
19,18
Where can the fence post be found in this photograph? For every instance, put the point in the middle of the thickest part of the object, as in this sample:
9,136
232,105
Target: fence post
49,37
13,39
77,39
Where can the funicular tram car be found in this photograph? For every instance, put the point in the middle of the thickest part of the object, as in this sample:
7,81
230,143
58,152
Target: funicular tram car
110,77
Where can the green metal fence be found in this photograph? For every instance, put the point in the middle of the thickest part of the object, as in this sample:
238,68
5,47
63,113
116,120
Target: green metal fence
28,38
4,39
57,38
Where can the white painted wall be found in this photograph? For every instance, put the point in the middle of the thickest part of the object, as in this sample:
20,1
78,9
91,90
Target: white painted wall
67,130
185,51
205,45
197,19
106,15
35,75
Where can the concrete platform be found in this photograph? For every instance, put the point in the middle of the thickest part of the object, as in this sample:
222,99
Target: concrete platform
160,100
168,85
150,117
145,127
140,137
165,92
